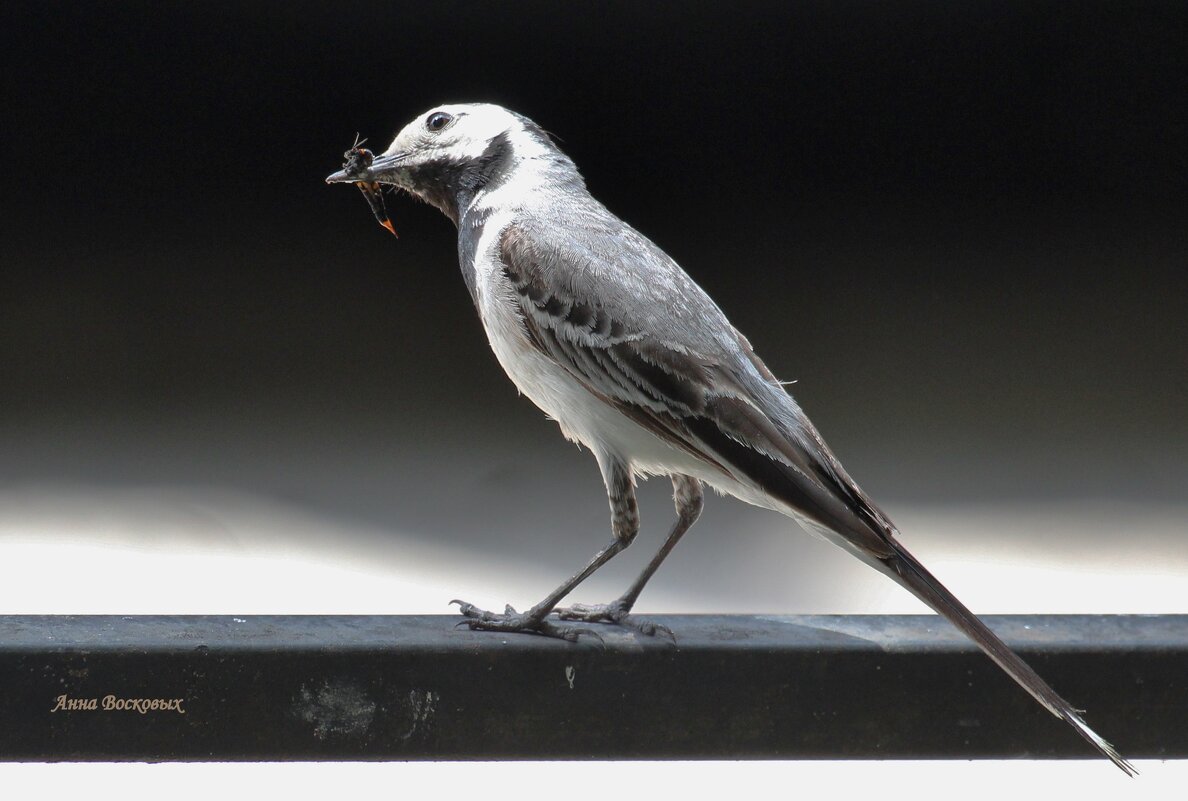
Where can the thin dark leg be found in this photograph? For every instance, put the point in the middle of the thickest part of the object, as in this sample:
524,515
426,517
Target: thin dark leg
689,500
624,524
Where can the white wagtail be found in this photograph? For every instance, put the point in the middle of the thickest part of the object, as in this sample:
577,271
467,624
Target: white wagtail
610,337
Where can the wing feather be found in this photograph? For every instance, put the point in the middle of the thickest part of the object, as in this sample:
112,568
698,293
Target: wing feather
693,399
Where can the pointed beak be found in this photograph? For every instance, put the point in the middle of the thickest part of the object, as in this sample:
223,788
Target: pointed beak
380,171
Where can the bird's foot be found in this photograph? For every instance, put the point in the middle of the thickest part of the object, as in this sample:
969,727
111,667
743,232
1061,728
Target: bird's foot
520,622
617,613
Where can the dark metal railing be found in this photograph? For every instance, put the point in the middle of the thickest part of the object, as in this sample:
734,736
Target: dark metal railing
731,687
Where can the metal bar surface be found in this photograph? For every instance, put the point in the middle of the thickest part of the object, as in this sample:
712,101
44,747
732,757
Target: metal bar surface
159,688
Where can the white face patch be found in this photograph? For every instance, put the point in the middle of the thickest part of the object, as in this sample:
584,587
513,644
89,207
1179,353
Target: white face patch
473,127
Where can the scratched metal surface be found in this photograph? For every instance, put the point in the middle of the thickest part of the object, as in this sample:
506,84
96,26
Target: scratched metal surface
385,687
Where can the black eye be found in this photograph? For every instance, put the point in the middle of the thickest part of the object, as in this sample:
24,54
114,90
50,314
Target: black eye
438,120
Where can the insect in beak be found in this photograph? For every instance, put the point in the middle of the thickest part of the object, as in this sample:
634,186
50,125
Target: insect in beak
358,159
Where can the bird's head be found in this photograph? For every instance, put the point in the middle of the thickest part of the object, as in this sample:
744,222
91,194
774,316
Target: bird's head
449,154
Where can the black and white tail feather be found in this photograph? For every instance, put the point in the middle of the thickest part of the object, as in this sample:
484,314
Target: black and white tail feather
908,572
613,340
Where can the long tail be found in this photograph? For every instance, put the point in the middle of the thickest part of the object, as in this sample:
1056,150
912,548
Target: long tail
763,438
907,570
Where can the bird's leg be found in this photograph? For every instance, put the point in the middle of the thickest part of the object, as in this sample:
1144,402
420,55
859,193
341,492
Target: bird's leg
624,524
688,498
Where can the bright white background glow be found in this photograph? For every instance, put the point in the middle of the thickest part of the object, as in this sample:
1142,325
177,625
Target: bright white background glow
187,551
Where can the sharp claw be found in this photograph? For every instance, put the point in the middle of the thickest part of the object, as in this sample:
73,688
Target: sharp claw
658,629
595,635
468,610
575,633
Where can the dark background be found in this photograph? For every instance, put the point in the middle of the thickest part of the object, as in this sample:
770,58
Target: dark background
962,228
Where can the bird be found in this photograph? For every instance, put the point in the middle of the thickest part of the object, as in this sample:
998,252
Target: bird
613,340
